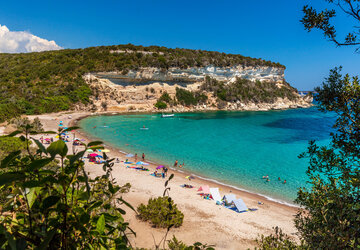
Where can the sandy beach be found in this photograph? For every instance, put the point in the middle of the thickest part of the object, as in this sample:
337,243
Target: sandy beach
204,221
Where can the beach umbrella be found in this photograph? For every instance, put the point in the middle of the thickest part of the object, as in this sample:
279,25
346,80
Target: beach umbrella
47,139
160,167
89,150
129,155
93,154
142,163
128,162
105,150
99,156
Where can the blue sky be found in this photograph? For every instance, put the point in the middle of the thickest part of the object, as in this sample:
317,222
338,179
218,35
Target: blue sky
267,29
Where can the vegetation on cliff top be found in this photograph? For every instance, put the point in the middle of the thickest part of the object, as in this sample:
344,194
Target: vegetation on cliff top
51,81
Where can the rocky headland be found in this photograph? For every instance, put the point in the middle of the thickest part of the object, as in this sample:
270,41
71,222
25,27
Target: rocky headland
133,96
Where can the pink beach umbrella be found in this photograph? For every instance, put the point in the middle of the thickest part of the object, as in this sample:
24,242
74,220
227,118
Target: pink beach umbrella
160,167
93,155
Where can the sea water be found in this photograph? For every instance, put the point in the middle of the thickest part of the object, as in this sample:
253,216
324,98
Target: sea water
235,148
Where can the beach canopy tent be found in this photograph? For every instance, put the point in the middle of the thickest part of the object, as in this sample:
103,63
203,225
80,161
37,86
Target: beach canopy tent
142,163
215,194
204,189
229,198
240,205
160,167
89,150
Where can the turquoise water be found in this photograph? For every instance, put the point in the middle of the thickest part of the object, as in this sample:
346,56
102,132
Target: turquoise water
236,148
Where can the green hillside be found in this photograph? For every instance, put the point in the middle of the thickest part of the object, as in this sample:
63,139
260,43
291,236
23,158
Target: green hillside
51,81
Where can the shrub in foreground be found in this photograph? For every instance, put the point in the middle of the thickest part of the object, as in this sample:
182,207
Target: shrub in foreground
161,212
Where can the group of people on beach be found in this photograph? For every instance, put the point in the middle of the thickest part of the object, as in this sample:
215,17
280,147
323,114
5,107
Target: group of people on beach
136,156
176,164
266,177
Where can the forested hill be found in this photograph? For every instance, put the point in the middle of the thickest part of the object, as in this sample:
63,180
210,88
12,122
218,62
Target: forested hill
51,81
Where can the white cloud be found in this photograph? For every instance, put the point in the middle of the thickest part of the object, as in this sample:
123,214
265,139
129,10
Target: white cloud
22,41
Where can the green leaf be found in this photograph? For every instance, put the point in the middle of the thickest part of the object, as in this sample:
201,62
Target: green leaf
76,157
95,205
84,218
127,204
40,145
50,201
48,132
100,224
111,188
37,164
69,129
14,133
44,245
94,143
5,162
58,147
10,177
31,195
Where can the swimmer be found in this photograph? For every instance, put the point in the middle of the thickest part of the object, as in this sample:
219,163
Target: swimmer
279,179
267,180
94,127
284,182
265,177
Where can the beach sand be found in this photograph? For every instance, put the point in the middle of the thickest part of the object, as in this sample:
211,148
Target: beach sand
204,221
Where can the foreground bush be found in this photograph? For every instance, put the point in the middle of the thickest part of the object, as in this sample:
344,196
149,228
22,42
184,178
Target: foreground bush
53,204
175,244
161,212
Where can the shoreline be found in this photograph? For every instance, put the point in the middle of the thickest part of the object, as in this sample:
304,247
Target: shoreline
229,229
184,172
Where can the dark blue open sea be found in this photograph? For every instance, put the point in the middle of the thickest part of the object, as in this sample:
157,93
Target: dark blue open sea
235,148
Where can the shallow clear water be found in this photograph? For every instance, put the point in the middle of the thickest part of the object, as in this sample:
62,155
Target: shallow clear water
236,148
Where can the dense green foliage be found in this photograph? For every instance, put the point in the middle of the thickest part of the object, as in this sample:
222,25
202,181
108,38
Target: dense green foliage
160,105
21,122
10,144
165,97
175,244
161,212
189,98
52,81
331,212
278,240
53,204
245,91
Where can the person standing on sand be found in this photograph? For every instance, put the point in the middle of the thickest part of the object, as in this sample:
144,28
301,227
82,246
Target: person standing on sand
175,164
135,157
143,157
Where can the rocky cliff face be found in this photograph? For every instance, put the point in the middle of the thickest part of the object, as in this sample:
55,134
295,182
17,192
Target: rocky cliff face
114,97
195,74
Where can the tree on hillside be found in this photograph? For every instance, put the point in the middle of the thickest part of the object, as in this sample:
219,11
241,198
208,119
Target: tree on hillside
321,20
